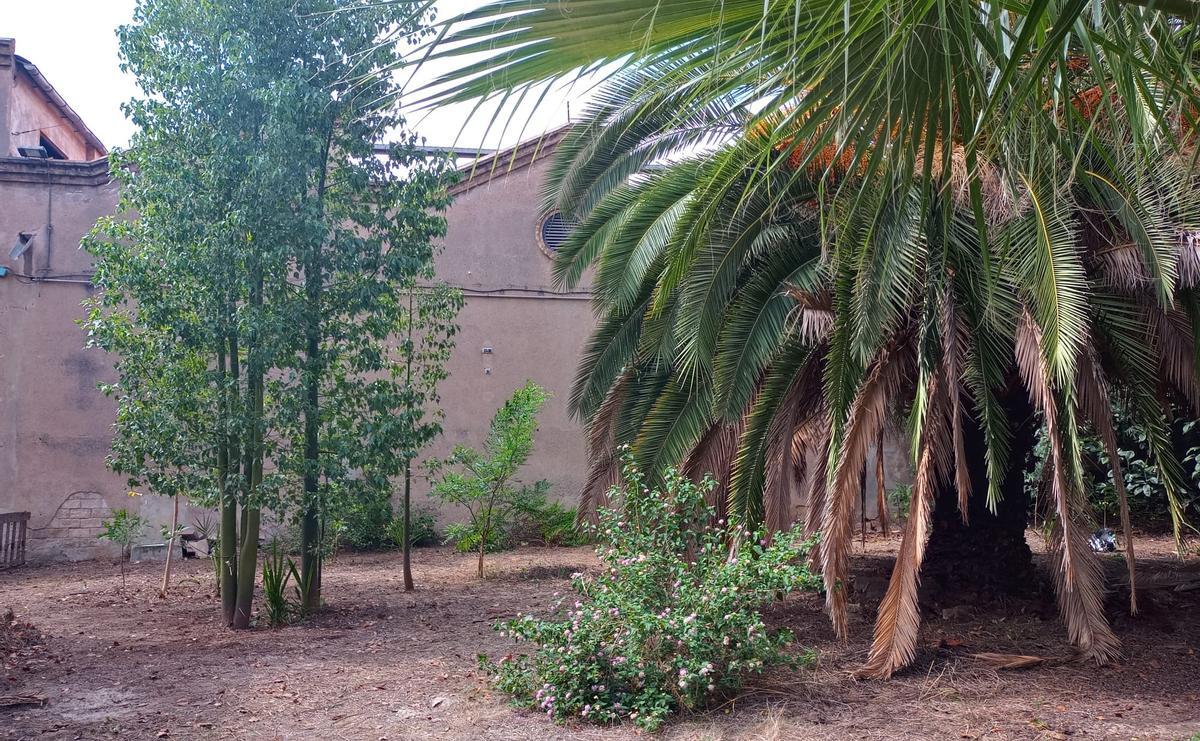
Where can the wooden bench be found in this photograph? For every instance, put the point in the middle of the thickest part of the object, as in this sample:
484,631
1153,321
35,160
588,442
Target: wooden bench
14,528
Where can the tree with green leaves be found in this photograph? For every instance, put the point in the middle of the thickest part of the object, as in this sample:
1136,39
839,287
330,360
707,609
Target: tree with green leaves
252,284
483,482
809,221
402,416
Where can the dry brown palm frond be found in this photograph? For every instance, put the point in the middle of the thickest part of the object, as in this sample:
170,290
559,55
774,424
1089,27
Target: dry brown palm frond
865,419
812,317
1002,662
898,621
817,446
714,455
999,203
1189,259
802,404
798,455
954,349
1176,352
1077,576
1122,268
1094,402
605,469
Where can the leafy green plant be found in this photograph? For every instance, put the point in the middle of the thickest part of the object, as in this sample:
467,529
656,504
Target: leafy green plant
543,521
123,529
1149,504
424,528
466,538
484,482
278,570
364,520
671,623
899,497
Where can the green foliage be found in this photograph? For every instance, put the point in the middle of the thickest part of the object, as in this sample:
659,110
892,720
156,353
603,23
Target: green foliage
466,537
362,520
424,528
542,521
533,519
1149,504
899,497
671,622
483,482
123,528
277,571
300,342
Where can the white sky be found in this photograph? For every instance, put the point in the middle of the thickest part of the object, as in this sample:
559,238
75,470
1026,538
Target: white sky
73,43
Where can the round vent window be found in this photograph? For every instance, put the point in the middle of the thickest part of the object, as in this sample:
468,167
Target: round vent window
553,231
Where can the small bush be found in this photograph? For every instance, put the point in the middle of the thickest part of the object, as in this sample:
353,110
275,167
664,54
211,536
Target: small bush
424,527
543,521
364,523
124,529
899,497
465,537
483,482
672,622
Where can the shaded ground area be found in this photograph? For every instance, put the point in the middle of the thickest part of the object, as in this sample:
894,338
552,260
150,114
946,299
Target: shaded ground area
380,664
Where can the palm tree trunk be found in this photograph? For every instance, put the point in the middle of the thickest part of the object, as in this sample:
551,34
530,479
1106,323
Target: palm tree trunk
989,556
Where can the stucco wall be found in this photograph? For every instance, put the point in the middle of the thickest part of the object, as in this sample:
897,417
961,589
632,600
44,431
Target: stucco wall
512,307
32,116
55,425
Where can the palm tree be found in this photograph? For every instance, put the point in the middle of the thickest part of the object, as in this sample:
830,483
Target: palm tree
809,221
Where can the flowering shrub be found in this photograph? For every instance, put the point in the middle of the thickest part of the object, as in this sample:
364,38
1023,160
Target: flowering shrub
670,623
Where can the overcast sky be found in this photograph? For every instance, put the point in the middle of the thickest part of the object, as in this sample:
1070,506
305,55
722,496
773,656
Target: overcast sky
73,43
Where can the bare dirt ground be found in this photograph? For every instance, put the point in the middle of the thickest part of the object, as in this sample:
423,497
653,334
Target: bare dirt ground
381,664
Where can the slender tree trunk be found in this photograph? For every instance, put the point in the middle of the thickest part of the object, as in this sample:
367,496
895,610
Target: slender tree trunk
227,456
166,585
408,363
482,547
248,561
310,528
408,578
990,555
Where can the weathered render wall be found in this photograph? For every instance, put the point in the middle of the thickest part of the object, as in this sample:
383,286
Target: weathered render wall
533,330
55,425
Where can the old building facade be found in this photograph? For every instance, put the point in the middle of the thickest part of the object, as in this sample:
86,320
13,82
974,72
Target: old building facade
55,425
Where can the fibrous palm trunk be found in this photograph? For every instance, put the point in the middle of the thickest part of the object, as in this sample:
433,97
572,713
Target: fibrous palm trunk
987,554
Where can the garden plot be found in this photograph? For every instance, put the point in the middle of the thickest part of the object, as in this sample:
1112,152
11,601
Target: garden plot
382,664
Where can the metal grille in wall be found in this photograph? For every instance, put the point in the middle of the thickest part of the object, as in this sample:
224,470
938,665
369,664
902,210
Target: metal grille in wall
554,231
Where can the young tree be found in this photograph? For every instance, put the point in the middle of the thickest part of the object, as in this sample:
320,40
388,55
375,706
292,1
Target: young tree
484,482
428,330
259,207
